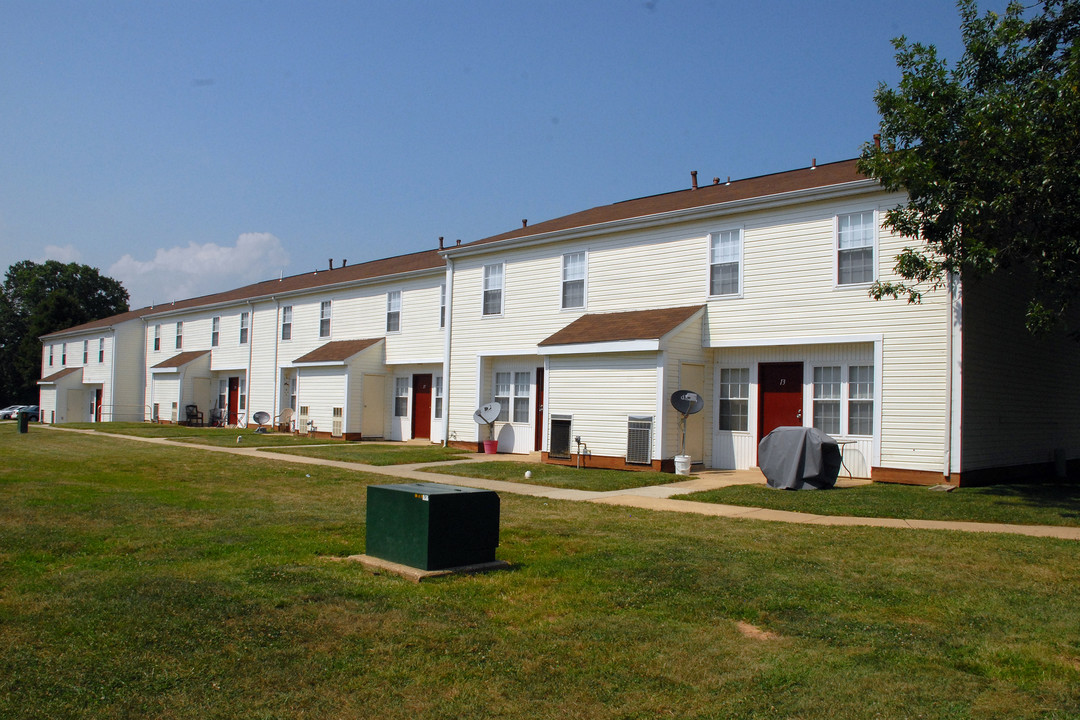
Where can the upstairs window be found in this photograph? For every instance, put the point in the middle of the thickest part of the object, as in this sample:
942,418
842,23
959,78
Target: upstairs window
286,322
393,311
574,267
101,350
324,319
493,289
51,348
245,320
855,248
725,262
157,337
442,305
215,331
179,335
85,352
63,354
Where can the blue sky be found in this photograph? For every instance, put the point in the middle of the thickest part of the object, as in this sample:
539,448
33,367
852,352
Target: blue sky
191,147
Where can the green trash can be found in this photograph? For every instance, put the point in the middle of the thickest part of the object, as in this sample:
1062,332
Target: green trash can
24,422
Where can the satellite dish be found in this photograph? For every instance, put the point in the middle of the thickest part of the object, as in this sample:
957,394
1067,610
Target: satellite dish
262,417
687,402
487,414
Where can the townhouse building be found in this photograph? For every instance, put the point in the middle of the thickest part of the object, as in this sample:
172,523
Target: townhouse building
752,293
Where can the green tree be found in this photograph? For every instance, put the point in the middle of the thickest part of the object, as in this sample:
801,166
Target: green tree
37,299
988,152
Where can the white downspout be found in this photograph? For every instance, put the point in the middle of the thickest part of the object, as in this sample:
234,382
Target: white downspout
949,369
247,375
447,334
277,343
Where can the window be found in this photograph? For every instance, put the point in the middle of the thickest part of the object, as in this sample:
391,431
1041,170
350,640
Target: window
85,351
855,248
861,400
157,337
735,399
502,395
725,261
512,392
215,331
442,305
179,335
223,394
242,401
51,348
393,311
286,322
827,400
244,327
521,396
324,319
573,280
438,397
401,397
63,354
493,289
101,350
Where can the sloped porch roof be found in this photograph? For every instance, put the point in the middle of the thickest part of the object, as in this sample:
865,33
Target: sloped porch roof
634,330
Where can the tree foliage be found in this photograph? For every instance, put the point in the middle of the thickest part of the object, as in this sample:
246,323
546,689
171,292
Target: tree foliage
988,152
38,299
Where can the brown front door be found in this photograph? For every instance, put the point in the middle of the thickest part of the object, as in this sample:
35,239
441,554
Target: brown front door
421,406
234,400
97,405
538,425
780,396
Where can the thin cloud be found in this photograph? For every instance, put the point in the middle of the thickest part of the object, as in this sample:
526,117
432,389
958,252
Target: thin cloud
65,254
188,271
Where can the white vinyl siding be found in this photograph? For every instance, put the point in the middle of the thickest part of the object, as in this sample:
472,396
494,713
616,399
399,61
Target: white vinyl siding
493,289
855,234
725,262
574,274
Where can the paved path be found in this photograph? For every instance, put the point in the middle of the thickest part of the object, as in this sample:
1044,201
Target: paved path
656,497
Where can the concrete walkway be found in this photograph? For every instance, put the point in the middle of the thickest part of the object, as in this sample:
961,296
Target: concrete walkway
656,497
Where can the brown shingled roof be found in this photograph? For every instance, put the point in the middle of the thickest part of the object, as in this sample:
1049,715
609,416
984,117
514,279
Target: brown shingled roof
414,262
336,351
617,326
836,173
180,359
56,376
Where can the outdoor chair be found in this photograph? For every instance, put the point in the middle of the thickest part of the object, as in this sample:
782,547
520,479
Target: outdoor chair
217,417
193,416
284,420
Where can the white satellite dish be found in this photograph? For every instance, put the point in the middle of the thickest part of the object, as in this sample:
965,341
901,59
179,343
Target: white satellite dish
487,414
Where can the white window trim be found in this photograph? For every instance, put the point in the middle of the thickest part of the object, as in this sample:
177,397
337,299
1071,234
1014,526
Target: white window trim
562,280
836,249
286,312
845,398
709,263
329,318
484,289
390,296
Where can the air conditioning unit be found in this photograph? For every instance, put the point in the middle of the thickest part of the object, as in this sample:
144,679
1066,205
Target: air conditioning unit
639,440
335,428
302,420
175,415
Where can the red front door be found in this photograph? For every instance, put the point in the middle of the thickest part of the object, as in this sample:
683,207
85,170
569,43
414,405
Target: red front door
421,410
234,399
538,426
780,396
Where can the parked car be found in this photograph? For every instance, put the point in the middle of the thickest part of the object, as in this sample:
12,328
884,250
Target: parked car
10,412
33,411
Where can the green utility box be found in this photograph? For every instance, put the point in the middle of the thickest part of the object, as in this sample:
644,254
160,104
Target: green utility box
431,526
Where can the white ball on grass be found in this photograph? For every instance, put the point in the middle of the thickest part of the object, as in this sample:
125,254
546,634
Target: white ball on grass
528,474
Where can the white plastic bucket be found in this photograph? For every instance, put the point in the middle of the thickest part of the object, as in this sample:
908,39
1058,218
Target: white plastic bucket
682,464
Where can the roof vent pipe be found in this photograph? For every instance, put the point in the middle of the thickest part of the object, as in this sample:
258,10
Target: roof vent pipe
344,262
524,222
693,179
331,263
813,163
459,241
716,181
440,242
728,180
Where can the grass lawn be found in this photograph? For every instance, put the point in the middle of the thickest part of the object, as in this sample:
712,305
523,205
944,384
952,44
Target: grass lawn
1037,504
560,476
201,435
381,454
169,583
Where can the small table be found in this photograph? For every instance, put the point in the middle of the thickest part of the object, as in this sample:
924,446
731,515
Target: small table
842,444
